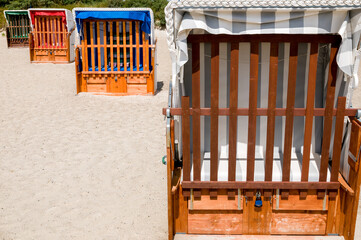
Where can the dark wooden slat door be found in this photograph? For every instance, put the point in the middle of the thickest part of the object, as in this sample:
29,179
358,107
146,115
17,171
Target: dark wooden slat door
196,114
233,104
312,74
214,112
252,119
326,139
292,76
272,97
186,142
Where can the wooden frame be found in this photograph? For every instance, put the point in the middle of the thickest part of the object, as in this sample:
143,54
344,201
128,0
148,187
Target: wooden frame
115,62
17,30
308,208
50,40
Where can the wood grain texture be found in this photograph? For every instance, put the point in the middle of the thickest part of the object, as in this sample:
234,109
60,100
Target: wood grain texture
214,110
272,97
257,220
186,141
294,202
298,223
214,222
311,89
258,185
252,119
196,114
291,92
338,137
327,129
180,212
221,202
233,104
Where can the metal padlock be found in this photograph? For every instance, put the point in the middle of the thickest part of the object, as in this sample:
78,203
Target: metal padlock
258,202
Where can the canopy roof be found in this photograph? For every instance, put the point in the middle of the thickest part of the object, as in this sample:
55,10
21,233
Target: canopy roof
14,13
108,14
64,13
145,15
264,17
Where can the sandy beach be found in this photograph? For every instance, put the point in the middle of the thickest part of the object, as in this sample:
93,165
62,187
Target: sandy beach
80,167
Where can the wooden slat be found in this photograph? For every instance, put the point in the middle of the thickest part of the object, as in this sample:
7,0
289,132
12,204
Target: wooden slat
42,20
124,47
65,42
111,46
252,119
84,48
272,97
118,48
131,43
291,91
92,53
51,42
195,106
214,110
233,104
105,46
58,21
147,53
337,144
186,140
311,89
258,185
98,46
36,35
143,48
326,139
137,42
47,33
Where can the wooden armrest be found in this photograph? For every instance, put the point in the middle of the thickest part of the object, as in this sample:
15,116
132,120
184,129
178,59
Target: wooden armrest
176,180
345,185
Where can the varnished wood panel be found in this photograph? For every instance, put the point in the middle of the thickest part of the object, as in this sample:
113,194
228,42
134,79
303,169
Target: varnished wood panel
298,223
215,222
294,202
221,202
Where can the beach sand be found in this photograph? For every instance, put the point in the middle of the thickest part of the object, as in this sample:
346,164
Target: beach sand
80,167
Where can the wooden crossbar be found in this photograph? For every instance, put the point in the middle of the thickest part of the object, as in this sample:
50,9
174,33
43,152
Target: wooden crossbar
317,112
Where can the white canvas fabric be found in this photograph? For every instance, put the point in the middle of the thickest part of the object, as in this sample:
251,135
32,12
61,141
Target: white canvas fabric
262,17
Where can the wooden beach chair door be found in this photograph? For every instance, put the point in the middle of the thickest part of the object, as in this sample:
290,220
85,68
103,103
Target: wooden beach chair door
347,201
206,205
51,39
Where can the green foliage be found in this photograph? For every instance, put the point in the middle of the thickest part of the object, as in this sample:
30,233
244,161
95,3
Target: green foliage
2,19
156,5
